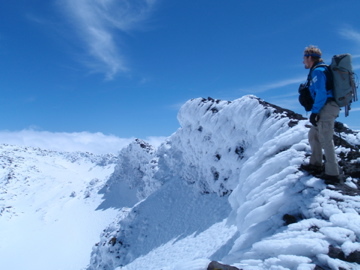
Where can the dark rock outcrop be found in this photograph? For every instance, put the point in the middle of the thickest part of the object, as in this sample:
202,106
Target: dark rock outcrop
218,266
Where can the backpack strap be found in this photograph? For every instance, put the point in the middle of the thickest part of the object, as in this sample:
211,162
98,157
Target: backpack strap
309,78
328,74
309,75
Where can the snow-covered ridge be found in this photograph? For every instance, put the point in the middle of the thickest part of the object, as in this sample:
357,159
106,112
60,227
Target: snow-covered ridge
237,162
218,137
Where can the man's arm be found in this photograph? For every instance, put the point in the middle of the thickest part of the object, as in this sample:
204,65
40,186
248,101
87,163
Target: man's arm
318,84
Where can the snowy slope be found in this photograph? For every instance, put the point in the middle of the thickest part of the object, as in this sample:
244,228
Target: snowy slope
226,186
48,202
227,182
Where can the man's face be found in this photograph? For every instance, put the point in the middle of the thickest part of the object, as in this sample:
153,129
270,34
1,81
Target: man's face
308,62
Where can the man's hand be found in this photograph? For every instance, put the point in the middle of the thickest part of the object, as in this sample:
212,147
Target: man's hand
314,118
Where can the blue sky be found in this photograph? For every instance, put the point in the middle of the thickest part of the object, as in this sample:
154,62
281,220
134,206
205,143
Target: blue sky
123,68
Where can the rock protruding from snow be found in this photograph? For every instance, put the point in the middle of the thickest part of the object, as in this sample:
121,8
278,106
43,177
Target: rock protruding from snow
219,266
132,177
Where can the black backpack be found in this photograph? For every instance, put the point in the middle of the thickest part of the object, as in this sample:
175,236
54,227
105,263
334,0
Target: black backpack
305,97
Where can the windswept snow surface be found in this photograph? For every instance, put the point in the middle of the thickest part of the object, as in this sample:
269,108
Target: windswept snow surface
217,189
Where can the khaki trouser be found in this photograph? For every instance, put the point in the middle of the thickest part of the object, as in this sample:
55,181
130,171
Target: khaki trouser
321,137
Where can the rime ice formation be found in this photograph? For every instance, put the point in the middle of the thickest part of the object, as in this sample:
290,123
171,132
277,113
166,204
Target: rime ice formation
227,187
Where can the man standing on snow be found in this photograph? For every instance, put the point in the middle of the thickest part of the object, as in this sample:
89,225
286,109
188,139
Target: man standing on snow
323,114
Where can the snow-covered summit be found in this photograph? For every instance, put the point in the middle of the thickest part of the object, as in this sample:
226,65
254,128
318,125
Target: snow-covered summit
226,186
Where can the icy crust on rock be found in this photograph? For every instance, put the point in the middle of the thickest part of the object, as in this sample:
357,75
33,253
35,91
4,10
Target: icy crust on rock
132,176
218,137
234,166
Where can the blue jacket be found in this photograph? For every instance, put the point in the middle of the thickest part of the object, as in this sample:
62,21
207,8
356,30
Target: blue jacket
318,89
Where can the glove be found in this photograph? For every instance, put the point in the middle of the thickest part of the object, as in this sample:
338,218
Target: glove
314,118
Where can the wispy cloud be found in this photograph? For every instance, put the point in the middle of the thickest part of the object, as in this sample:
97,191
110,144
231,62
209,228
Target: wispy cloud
350,33
355,109
354,36
275,85
98,25
97,143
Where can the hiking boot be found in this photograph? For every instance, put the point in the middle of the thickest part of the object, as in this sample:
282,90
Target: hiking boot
331,179
312,169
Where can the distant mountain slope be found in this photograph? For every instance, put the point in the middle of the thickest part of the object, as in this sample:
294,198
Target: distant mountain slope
47,207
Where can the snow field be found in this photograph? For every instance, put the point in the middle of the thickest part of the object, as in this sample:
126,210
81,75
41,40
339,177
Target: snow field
52,222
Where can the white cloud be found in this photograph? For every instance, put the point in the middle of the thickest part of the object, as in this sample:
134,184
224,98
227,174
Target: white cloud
354,36
351,34
96,143
355,109
275,85
155,141
99,22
